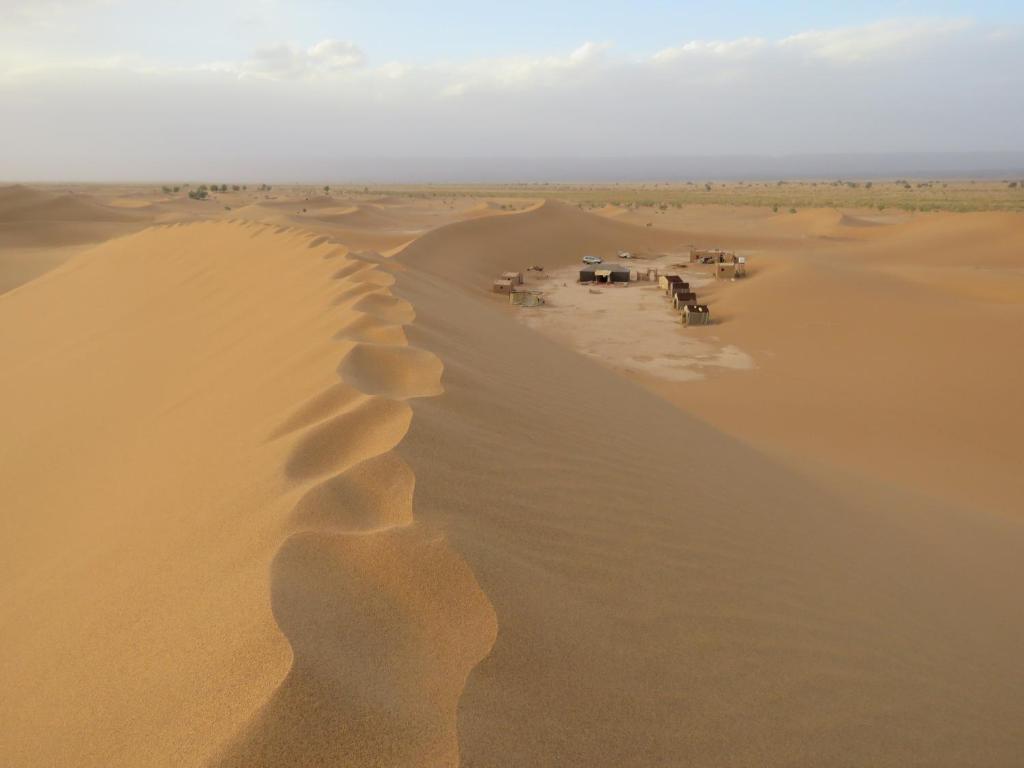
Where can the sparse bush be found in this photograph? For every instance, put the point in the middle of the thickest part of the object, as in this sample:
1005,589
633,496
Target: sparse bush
166,190
177,188
1012,185
198,194
775,208
327,189
792,210
235,187
868,184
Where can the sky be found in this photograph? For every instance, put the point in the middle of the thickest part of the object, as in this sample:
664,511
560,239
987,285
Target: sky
145,90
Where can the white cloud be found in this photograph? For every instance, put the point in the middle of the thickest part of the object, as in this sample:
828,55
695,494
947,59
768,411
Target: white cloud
284,61
521,71
867,43
893,86
723,48
43,12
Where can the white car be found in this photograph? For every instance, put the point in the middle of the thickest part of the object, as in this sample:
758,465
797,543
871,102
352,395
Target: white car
592,259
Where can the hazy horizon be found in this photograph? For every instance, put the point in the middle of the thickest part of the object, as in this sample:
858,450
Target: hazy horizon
588,170
111,90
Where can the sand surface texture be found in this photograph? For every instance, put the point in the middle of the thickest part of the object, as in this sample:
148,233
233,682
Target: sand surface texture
286,487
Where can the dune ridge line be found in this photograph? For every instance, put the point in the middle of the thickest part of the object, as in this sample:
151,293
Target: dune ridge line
384,620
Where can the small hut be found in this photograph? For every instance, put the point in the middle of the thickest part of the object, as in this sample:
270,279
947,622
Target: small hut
515,277
682,298
604,273
526,298
665,281
696,314
503,286
724,270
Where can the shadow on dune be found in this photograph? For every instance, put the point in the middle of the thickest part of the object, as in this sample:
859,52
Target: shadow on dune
385,630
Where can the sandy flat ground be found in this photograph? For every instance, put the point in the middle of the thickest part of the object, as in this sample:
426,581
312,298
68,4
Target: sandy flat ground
632,327
284,483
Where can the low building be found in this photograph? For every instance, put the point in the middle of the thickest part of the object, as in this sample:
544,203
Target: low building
515,277
707,255
664,281
503,286
526,298
696,314
682,298
724,270
604,273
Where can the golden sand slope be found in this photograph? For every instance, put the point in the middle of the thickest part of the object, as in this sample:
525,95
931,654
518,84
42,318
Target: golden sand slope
213,434
884,349
157,467
41,229
666,596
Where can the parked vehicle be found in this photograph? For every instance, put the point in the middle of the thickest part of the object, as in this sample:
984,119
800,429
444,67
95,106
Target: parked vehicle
592,259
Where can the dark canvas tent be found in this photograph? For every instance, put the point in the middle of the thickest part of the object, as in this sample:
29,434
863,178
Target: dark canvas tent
604,273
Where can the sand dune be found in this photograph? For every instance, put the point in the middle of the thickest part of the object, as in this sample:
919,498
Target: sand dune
149,368
39,230
702,604
271,499
470,253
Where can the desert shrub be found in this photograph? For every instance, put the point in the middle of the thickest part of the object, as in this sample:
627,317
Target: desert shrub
868,185
166,190
327,189
792,210
1012,185
235,187
177,188
775,208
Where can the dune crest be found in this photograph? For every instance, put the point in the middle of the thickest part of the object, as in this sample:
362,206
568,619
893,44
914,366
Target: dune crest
210,517
384,620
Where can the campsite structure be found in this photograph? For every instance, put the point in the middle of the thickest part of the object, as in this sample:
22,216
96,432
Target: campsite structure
516,278
604,273
723,270
681,298
696,314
